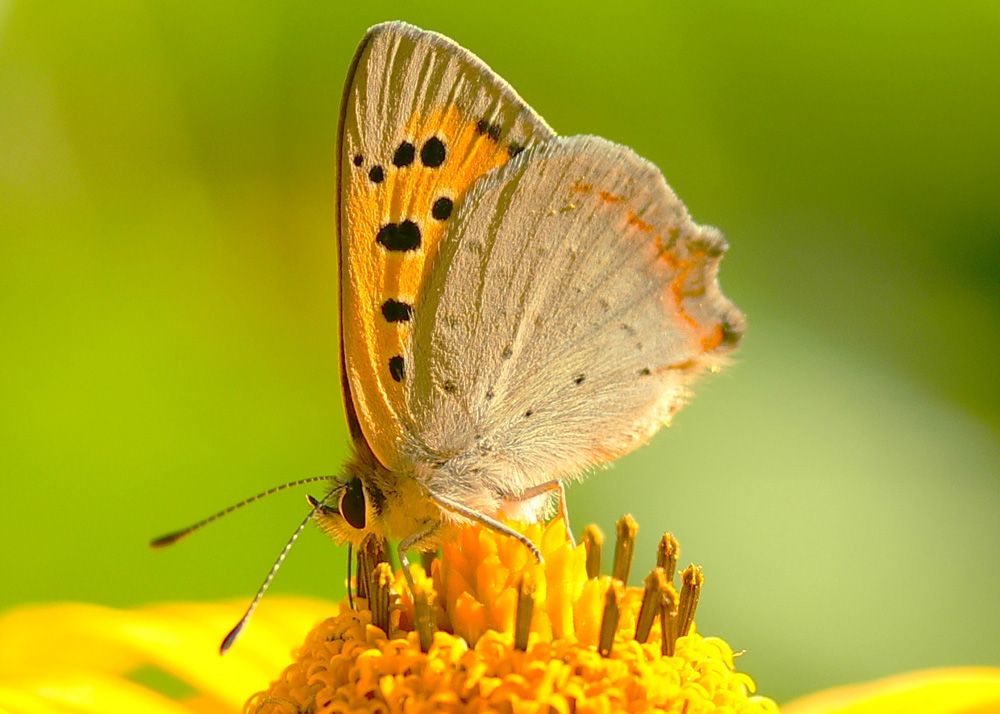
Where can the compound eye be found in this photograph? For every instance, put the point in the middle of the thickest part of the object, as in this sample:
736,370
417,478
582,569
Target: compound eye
352,504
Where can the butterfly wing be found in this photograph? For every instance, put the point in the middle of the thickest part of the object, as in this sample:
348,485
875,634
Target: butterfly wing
572,303
421,120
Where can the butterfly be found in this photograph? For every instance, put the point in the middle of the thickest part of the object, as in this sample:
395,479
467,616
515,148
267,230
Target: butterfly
516,307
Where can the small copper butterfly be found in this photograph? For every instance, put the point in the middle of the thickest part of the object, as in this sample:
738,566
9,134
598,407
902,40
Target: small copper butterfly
516,307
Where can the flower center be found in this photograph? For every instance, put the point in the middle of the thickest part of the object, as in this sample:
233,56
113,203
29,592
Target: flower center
488,586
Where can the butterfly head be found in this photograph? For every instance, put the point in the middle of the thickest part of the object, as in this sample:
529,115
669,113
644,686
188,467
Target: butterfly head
368,499
350,511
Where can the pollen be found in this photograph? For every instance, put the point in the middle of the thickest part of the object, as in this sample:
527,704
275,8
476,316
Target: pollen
486,628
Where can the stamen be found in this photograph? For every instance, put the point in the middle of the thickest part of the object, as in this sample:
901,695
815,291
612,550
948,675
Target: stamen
371,552
692,580
656,583
423,614
380,603
427,558
667,554
624,546
609,620
668,620
525,609
350,567
488,614
593,541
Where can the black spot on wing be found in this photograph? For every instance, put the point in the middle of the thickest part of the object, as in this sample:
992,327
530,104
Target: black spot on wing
489,129
358,159
404,155
432,153
399,236
732,326
396,311
376,174
513,149
442,207
397,368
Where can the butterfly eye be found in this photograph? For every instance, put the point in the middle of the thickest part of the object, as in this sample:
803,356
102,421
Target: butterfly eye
352,504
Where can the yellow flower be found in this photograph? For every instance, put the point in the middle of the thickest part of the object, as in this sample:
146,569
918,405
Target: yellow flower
492,630
488,630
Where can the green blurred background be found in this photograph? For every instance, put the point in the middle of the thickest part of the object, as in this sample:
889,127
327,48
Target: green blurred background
169,310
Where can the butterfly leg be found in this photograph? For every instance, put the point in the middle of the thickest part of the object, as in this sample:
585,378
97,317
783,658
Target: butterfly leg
491,523
406,544
549,487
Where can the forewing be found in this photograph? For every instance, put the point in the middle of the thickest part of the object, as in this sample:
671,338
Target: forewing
421,120
572,303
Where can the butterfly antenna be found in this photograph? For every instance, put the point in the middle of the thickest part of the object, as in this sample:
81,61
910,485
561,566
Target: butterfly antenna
171,538
229,639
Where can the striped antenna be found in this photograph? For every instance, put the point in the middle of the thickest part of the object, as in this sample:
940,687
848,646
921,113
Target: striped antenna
171,538
229,639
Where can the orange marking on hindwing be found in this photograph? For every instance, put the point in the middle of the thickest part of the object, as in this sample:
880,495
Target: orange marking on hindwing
677,287
608,197
581,187
634,220
713,339
677,292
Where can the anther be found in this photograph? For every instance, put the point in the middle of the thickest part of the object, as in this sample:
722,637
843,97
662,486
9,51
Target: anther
656,584
593,541
624,546
667,554
668,621
380,603
525,609
609,620
692,580
427,558
371,552
423,614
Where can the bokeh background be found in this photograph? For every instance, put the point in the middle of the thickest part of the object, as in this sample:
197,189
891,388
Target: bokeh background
169,312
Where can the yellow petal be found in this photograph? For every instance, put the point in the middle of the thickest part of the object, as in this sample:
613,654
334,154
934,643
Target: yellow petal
81,693
88,658
970,690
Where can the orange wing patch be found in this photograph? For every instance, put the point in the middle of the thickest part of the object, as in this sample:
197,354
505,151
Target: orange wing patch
399,207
